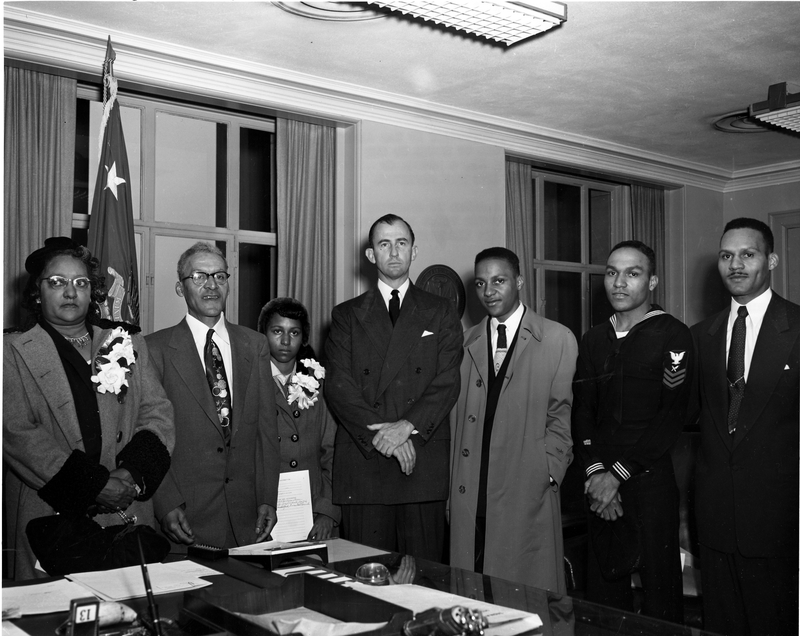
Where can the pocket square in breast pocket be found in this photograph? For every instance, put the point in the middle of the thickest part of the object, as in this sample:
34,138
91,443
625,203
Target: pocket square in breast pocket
786,368
427,333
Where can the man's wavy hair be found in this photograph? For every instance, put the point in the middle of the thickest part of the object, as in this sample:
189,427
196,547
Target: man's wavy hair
31,294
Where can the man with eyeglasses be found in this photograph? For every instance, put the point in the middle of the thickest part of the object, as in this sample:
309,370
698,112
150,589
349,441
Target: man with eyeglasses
222,486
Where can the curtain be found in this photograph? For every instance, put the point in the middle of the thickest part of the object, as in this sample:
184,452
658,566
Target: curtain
38,173
306,238
520,225
647,216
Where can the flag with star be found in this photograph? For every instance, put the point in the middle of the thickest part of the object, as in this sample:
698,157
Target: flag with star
111,237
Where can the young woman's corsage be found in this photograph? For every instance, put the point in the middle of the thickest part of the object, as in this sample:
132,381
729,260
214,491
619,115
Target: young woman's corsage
113,362
303,388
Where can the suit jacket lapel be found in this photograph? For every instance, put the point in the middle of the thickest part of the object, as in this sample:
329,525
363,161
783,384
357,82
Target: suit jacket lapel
716,377
374,319
42,359
478,350
530,327
766,367
241,374
404,337
189,367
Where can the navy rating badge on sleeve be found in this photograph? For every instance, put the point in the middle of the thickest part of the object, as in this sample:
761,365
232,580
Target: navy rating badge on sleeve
675,369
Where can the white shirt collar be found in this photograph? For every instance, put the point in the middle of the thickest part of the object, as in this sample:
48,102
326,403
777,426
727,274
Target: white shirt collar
200,329
512,324
386,291
756,308
279,377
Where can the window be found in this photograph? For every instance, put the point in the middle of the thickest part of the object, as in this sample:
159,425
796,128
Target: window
197,173
577,223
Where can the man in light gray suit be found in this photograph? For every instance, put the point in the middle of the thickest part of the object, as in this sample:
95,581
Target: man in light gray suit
222,486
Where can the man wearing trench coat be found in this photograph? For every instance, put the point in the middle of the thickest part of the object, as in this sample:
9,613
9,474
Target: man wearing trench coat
511,441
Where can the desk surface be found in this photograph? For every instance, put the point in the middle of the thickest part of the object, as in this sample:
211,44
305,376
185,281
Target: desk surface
561,615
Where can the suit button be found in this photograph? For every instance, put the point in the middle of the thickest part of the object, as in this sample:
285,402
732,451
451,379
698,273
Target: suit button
411,401
227,480
295,437
376,405
366,371
296,413
465,452
471,418
479,383
119,437
219,449
418,370
293,463
462,490
279,438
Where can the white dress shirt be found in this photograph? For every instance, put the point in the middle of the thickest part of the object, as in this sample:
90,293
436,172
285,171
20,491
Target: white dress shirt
221,338
756,309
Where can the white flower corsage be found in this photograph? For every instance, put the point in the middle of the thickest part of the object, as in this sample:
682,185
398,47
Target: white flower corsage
303,388
113,362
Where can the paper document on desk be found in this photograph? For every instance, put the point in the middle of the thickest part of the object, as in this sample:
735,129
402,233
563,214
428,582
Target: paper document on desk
125,583
266,548
295,515
42,598
503,621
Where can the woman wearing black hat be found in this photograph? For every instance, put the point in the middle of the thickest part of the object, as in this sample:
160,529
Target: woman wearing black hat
87,428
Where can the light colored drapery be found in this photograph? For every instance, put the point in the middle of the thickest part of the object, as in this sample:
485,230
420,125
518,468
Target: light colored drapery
38,173
647,216
520,225
306,155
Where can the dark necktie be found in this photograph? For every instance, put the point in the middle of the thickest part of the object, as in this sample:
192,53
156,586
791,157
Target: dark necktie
394,306
736,368
218,382
502,347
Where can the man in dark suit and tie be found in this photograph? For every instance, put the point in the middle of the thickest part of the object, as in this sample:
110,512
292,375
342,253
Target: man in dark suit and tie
222,486
393,358
747,467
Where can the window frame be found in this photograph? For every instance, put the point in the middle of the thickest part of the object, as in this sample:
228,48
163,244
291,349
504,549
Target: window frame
147,228
619,229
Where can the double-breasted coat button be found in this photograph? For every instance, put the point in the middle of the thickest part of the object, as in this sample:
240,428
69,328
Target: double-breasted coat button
366,371
411,401
465,452
119,437
418,370
462,490
227,480
279,438
295,437
376,405
293,463
296,413
479,383
471,418
219,449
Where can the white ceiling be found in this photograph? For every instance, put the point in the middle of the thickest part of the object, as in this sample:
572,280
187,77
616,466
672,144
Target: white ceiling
650,76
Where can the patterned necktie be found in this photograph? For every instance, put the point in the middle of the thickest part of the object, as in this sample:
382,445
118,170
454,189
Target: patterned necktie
218,382
394,306
736,368
502,348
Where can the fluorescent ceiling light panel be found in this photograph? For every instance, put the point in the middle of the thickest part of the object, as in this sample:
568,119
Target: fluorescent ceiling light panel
781,108
506,22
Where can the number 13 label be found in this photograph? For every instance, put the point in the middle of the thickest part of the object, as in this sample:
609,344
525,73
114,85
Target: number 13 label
86,614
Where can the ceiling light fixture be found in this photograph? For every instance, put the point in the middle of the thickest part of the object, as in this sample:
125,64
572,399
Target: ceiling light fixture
507,22
781,108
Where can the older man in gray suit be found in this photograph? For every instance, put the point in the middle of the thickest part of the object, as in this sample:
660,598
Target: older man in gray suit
223,484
